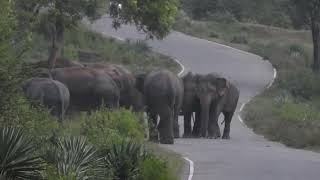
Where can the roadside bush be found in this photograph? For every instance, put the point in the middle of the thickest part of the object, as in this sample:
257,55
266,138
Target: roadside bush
213,35
104,127
155,169
240,39
36,121
124,159
301,84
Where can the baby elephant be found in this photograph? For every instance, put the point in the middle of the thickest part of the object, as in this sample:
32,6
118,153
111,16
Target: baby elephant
50,93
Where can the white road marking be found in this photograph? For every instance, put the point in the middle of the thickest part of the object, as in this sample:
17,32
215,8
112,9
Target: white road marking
191,168
181,65
274,78
240,119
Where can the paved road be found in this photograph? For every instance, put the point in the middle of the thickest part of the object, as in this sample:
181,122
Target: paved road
246,156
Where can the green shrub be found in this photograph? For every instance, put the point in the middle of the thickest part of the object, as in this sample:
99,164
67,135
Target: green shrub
70,52
155,169
104,127
17,156
36,121
124,159
213,35
302,83
240,39
72,157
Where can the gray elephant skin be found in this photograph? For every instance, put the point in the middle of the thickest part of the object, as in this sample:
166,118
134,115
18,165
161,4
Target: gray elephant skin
88,88
216,95
163,92
50,93
191,104
130,96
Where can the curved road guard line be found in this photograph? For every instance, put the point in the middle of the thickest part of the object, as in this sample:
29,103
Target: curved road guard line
244,104
181,65
191,168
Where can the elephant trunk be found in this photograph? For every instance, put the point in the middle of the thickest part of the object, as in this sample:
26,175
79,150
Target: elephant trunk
205,110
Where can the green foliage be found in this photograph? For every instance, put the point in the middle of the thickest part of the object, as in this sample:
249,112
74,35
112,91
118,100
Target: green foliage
104,127
36,121
298,112
301,84
152,17
70,52
124,159
268,12
136,56
17,156
155,169
240,39
72,157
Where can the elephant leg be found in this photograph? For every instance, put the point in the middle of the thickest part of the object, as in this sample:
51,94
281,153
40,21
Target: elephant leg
166,126
213,126
227,122
196,125
153,132
176,129
187,124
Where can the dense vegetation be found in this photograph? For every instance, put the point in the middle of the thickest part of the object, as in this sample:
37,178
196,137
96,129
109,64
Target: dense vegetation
96,146
268,12
287,112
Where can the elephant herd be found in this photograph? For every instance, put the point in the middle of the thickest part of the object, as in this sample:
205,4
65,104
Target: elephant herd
160,93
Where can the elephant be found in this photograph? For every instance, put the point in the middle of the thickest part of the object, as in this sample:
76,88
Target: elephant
50,93
191,104
89,88
163,92
130,96
216,95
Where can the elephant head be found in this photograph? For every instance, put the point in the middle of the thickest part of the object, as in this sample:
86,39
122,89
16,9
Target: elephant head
210,88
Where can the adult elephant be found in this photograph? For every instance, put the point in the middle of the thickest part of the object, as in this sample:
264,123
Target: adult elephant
50,93
88,87
191,104
130,96
216,95
163,92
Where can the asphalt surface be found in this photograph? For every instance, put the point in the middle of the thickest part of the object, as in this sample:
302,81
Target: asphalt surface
246,156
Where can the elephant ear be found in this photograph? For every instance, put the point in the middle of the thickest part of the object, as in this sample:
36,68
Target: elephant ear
222,85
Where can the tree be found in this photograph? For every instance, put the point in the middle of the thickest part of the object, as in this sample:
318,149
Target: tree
155,17
309,11
55,16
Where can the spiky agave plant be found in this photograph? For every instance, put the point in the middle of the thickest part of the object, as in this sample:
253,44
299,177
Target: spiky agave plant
124,159
73,155
17,159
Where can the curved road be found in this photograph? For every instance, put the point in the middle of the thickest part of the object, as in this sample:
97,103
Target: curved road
246,156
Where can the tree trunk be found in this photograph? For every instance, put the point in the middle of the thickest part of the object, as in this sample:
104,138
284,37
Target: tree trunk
57,43
315,27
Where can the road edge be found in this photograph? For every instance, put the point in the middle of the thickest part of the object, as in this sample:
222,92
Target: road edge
269,86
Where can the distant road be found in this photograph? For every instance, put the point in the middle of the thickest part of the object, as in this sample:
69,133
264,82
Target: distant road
246,156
